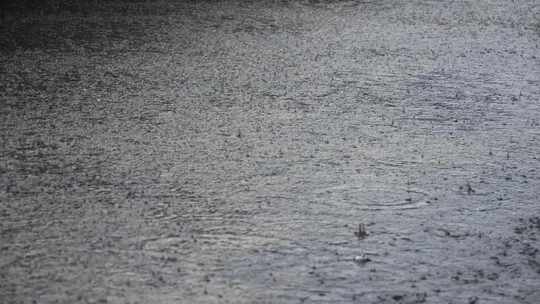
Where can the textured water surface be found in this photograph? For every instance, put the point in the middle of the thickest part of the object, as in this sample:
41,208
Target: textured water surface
227,152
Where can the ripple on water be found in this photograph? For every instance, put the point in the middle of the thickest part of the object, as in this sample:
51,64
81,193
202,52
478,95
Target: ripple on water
374,199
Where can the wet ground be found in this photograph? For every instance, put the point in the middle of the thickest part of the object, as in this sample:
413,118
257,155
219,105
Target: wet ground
226,152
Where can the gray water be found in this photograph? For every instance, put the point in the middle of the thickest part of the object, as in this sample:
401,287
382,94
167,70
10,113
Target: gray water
227,152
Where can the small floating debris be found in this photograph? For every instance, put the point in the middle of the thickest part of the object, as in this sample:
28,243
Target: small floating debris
361,233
